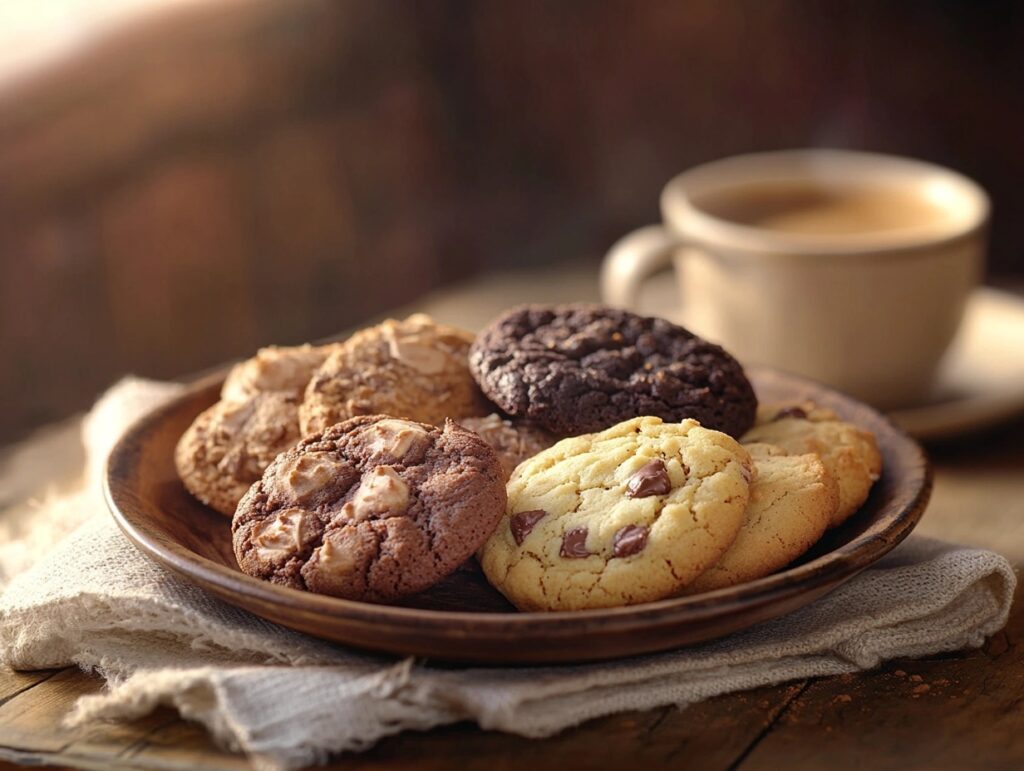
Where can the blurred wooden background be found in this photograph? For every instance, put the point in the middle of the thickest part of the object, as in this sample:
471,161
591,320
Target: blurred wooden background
230,174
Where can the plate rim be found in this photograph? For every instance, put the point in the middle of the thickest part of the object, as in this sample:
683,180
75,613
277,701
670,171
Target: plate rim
829,569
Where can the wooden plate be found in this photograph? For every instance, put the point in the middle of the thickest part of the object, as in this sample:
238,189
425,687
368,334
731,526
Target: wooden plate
463,618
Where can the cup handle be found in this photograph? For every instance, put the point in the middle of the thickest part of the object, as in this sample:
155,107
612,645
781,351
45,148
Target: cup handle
632,260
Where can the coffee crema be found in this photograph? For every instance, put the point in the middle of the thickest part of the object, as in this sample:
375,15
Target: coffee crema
808,209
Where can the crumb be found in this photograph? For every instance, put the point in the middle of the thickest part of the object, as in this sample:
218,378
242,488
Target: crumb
900,673
843,698
916,678
923,688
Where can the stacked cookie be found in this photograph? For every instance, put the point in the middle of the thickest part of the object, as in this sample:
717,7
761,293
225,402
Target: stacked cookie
638,466
412,368
227,447
646,510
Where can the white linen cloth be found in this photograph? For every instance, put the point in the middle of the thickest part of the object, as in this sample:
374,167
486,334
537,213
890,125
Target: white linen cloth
78,593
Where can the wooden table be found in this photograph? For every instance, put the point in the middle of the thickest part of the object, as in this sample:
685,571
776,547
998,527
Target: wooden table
960,710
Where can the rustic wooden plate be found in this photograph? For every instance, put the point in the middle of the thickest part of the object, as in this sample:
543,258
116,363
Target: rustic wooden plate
463,618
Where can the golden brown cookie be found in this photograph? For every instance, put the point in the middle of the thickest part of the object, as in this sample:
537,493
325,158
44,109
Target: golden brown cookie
849,453
514,441
286,369
229,445
631,514
792,501
412,369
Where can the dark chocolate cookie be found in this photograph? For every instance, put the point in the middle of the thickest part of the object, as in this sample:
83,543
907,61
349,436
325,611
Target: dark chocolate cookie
372,509
581,368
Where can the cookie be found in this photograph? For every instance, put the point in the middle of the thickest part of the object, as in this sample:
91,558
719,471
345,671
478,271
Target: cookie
513,441
628,515
372,509
283,369
849,453
581,368
792,501
229,445
413,369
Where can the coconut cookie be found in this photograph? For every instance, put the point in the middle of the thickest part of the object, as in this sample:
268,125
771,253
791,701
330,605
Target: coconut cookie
413,369
792,501
631,514
849,453
284,369
227,447
513,441
579,368
372,509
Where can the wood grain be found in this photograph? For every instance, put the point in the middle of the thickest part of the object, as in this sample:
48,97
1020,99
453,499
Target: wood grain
955,711
705,737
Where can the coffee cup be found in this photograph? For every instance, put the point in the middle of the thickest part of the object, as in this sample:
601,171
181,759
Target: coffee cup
850,268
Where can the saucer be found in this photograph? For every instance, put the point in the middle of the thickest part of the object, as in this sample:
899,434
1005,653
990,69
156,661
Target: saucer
981,380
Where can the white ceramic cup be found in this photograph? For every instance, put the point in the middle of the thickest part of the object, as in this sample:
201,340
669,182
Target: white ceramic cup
870,313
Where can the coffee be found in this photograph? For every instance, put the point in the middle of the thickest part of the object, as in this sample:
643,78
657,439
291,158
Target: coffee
860,283
808,209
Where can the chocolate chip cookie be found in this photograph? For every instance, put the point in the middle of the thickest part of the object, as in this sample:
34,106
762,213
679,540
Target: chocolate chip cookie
372,509
580,368
513,441
792,501
227,447
413,369
284,369
631,514
849,453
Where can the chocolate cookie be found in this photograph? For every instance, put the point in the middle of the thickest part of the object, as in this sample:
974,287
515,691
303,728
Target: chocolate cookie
228,445
372,509
413,369
582,368
514,441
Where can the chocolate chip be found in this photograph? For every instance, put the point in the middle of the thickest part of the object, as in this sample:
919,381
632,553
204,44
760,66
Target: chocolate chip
791,412
522,523
650,479
629,540
574,543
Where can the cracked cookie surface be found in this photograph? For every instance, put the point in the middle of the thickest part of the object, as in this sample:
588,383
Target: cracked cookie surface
228,446
415,369
628,515
283,369
581,368
848,452
372,509
792,501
